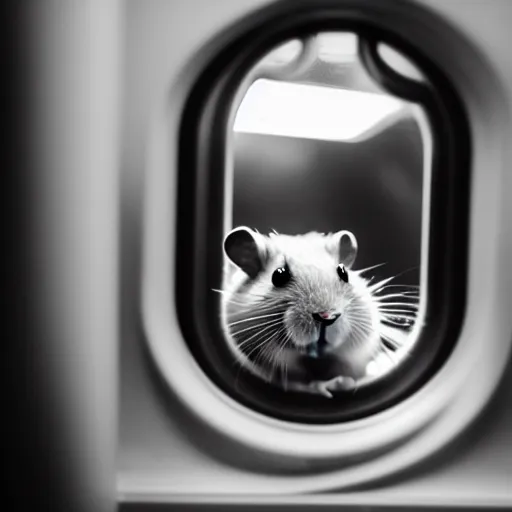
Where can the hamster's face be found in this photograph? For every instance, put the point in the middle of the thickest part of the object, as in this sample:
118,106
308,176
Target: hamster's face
302,286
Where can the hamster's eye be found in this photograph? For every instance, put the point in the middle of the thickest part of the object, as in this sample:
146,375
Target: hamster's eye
281,277
342,272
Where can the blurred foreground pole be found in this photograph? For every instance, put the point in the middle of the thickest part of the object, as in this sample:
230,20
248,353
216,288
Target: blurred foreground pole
62,118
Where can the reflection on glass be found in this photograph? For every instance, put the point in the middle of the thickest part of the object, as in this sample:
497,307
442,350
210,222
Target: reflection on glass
270,107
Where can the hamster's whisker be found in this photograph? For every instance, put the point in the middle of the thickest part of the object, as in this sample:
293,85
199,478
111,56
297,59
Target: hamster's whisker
359,329
398,313
246,352
413,305
276,341
387,280
261,298
358,315
253,338
398,304
244,304
237,334
238,308
288,338
361,320
240,303
271,325
252,327
242,361
364,270
408,286
284,374
358,311
257,309
409,315
350,302
357,306
248,342
260,344
263,306
239,316
412,293
280,341
359,337
261,303
226,293
404,295
282,334
385,309
358,324
256,296
271,338
400,322
250,319
405,298
265,356
381,283
366,327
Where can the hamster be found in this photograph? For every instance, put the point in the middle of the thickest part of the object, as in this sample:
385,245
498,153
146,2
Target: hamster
297,315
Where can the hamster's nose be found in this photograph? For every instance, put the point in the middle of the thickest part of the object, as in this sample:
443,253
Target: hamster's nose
325,317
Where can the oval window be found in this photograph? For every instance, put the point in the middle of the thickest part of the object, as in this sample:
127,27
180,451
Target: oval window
322,181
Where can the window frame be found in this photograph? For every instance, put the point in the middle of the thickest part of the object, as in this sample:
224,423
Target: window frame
201,221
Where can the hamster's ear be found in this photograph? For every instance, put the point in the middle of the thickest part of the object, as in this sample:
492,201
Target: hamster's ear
347,247
246,249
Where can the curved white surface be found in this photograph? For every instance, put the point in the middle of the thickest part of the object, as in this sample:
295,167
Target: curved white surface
420,425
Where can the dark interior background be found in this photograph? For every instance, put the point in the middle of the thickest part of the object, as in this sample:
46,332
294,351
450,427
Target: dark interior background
372,188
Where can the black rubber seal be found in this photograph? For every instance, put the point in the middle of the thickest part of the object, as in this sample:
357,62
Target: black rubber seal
201,189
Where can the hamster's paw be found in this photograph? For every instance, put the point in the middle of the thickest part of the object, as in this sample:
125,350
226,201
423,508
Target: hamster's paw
326,388
323,387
